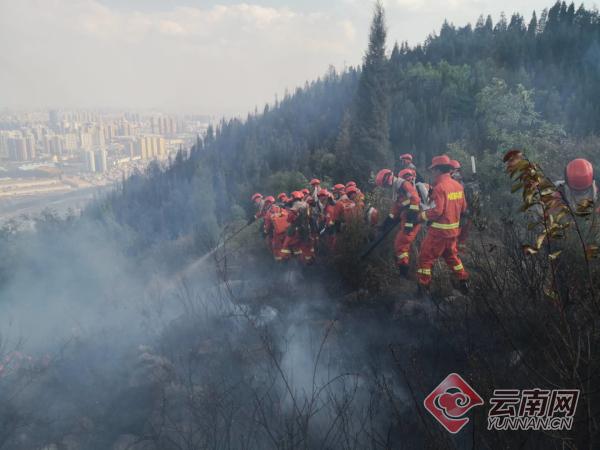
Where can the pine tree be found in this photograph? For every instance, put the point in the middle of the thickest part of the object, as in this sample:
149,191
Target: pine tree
542,21
370,147
342,147
533,26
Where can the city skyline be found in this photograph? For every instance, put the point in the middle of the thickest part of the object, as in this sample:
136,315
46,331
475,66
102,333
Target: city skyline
215,57
68,155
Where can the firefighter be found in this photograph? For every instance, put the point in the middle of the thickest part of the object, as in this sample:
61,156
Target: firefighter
344,211
315,184
326,221
406,162
338,191
298,241
259,204
384,178
353,194
360,196
368,212
268,209
455,173
276,227
579,185
405,210
282,199
326,218
448,205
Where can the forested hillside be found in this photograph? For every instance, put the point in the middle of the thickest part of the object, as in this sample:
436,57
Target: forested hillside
468,89
118,334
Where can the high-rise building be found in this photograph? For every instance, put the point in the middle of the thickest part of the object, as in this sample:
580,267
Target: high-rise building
142,149
101,161
30,147
70,142
125,129
172,126
85,141
54,120
17,149
130,149
53,145
4,136
150,147
98,137
110,131
90,161
161,150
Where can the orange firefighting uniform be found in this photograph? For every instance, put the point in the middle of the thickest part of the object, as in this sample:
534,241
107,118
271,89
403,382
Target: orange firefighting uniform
277,226
406,207
442,235
327,221
298,241
268,224
345,210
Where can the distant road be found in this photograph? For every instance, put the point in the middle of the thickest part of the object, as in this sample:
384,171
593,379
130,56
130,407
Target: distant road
60,202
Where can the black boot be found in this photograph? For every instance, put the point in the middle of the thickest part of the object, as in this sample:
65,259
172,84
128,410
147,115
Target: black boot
463,287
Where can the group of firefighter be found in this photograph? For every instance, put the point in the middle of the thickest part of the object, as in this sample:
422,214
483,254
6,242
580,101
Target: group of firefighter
294,224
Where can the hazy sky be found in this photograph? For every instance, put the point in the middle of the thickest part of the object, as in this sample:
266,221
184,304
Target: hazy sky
212,56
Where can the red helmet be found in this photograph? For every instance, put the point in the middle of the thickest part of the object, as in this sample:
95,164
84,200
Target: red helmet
579,174
352,190
282,197
297,195
270,199
339,187
305,191
441,160
455,164
406,156
385,177
350,183
323,193
406,174
315,181
256,197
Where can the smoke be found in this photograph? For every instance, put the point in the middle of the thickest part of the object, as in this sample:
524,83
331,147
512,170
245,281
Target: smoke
102,351
66,281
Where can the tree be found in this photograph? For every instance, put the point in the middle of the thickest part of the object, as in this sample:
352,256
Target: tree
370,147
509,118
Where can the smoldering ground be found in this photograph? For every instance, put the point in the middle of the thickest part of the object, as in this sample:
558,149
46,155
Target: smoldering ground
100,352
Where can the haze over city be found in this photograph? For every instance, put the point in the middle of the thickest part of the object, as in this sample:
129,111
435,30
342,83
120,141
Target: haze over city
213,57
